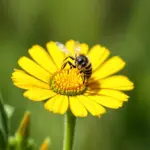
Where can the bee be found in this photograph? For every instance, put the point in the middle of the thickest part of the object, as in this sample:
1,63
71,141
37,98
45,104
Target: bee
79,61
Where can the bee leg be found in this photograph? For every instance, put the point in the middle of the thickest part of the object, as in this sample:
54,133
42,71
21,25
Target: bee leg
68,62
84,79
81,71
70,58
71,65
64,65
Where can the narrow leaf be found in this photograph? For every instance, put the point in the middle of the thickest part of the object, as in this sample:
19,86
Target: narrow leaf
3,125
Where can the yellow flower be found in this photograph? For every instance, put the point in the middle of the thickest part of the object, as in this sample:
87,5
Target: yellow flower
61,89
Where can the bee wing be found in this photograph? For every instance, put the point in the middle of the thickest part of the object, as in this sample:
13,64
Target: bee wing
62,47
77,48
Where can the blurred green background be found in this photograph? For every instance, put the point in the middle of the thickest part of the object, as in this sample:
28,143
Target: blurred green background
122,26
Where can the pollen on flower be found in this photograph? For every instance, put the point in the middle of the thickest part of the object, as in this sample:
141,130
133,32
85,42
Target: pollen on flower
68,82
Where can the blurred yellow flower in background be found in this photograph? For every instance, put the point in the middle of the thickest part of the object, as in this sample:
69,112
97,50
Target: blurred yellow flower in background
61,89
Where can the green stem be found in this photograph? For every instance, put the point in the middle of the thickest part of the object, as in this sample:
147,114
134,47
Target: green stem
70,122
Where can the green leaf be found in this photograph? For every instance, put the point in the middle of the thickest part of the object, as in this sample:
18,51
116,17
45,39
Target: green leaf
3,125
2,140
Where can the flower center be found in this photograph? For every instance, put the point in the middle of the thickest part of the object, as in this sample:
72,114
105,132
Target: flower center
68,82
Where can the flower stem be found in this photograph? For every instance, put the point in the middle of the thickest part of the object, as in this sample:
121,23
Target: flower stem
70,122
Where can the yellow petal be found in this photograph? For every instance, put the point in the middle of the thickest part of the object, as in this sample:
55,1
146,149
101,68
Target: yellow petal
107,92
111,66
114,94
64,105
84,48
56,54
117,82
98,55
25,81
32,68
94,108
77,108
107,101
70,45
58,104
38,94
40,55
49,104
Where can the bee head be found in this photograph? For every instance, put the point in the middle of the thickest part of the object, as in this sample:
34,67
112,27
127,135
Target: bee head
81,61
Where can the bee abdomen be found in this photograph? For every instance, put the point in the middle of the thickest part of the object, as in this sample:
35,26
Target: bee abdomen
87,75
88,71
88,66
